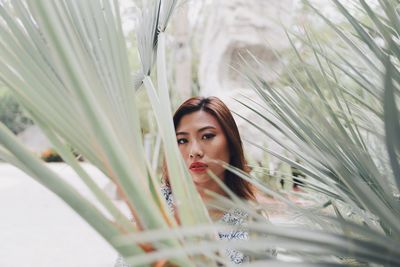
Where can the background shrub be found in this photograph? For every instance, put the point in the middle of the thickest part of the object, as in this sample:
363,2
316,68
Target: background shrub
12,114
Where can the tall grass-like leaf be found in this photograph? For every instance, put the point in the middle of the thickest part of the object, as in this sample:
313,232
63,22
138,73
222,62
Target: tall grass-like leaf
331,142
192,211
46,177
66,62
392,125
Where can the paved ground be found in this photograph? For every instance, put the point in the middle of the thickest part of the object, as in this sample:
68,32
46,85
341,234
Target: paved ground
37,229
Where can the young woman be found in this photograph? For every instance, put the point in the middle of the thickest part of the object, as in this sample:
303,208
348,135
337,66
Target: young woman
206,132
207,135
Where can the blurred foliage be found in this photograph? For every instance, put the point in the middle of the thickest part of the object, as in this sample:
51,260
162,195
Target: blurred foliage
50,155
11,112
308,33
335,154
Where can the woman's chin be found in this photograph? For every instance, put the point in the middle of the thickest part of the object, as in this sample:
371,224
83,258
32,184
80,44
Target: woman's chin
201,180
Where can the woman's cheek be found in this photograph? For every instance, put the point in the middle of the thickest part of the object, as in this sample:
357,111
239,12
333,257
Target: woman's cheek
217,169
182,150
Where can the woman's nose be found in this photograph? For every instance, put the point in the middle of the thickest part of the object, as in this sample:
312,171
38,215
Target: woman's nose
195,150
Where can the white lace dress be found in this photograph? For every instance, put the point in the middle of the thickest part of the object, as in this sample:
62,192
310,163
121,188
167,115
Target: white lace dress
234,217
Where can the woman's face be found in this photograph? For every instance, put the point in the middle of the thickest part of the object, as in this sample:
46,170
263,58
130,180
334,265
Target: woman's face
201,140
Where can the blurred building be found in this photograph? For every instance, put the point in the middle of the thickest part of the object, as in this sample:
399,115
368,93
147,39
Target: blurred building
238,32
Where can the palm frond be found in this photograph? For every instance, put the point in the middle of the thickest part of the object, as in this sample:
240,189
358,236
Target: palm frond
66,63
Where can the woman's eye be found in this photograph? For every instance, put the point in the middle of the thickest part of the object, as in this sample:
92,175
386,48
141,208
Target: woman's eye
208,136
182,141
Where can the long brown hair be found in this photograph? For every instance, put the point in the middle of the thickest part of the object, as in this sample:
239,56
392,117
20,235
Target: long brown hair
220,111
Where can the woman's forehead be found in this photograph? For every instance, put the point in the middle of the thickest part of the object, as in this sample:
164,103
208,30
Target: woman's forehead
197,120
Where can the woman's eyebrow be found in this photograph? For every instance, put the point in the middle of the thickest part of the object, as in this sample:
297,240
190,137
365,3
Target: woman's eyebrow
199,130
206,128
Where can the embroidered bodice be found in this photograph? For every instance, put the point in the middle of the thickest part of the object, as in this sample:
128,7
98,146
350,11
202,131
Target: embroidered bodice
234,217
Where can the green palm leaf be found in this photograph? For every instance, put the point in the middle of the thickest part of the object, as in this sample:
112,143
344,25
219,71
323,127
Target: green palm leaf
66,62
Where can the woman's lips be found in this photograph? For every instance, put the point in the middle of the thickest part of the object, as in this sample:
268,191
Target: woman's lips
198,167
202,169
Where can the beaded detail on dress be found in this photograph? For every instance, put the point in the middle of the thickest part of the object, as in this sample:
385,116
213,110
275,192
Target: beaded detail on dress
167,194
234,217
